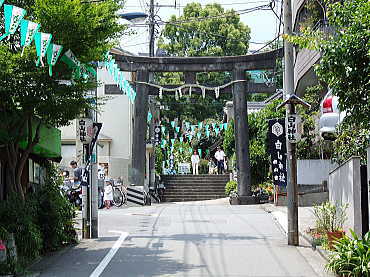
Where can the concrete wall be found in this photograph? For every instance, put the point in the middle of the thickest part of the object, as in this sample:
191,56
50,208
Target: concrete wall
345,187
305,200
313,172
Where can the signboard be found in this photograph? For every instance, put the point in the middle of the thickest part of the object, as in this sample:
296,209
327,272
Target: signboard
293,122
85,130
277,147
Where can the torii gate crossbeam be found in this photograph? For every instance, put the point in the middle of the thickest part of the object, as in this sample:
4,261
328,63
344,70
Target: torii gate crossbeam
235,64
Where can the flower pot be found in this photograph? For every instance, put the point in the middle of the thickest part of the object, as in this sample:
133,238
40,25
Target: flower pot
334,236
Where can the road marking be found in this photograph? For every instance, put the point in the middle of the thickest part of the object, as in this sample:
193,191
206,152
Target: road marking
103,264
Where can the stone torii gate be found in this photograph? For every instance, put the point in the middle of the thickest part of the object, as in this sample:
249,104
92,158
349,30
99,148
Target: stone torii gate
190,65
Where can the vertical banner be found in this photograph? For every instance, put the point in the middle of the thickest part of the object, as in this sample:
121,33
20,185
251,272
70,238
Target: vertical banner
53,54
277,148
157,135
13,16
42,41
28,32
292,124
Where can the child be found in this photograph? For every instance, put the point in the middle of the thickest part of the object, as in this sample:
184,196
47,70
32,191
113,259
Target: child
108,194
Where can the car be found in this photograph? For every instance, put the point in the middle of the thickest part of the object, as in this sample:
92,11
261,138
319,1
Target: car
331,116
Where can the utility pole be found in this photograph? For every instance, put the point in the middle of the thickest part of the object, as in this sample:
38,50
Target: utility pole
292,187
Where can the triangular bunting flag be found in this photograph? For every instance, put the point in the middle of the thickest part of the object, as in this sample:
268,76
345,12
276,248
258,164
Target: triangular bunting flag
28,32
42,41
13,16
53,54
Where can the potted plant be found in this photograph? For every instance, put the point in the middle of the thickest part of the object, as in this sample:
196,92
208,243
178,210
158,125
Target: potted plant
330,219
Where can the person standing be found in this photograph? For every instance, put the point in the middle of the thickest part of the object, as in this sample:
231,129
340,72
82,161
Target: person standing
108,193
195,162
77,173
220,157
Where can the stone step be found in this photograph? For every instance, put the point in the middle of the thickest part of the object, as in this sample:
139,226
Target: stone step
192,199
192,189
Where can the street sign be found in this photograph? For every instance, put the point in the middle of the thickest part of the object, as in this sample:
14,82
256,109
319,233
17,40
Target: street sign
277,147
85,130
292,124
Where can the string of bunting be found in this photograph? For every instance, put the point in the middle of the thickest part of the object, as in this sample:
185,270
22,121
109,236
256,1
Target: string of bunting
178,90
14,19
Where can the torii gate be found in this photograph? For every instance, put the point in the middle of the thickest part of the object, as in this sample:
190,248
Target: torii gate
190,65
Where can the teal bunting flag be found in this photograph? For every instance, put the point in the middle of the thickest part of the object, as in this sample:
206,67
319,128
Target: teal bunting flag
187,124
207,127
149,117
173,141
1,2
42,42
172,148
177,129
207,151
190,137
180,149
221,126
199,135
192,128
200,125
28,32
213,125
53,54
162,146
163,129
225,126
217,131
70,60
173,124
200,152
181,139
13,16
190,150
207,133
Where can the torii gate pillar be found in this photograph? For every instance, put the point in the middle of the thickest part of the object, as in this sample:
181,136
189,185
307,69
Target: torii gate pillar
241,131
140,128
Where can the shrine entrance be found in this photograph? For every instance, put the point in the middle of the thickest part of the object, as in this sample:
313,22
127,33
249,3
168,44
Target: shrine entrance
239,86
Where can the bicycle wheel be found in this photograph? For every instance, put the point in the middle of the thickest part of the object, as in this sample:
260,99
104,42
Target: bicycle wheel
118,198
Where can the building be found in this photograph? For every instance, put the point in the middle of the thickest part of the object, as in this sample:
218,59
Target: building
306,14
114,145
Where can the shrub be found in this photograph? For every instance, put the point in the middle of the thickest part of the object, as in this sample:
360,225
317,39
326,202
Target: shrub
203,166
351,256
329,217
55,213
231,186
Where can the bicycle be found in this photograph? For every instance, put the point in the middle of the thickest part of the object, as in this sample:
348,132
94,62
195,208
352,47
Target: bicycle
119,197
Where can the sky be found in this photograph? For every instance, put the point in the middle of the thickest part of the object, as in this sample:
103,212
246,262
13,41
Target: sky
263,24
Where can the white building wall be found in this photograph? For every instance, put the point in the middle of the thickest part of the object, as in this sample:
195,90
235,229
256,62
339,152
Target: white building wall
115,140
313,172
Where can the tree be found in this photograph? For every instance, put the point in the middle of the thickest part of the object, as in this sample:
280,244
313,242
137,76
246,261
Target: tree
345,61
29,97
202,31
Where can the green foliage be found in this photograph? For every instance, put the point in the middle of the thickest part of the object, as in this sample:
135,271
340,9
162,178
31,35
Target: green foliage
55,214
352,140
231,186
229,139
220,35
203,166
345,61
258,141
329,217
351,256
159,158
28,94
41,223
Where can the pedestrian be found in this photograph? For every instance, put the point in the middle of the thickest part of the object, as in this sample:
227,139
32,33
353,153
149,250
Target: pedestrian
77,174
220,157
108,193
195,162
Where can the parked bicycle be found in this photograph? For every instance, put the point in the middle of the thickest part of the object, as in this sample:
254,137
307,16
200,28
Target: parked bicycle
119,196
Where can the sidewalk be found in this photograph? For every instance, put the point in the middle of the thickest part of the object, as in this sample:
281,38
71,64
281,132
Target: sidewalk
306,220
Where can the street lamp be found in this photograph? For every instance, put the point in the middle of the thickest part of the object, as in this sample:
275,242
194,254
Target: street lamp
134,17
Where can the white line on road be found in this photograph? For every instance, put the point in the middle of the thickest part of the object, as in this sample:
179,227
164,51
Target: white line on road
103,264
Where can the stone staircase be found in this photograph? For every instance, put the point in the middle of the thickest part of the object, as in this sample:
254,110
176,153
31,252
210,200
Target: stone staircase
181,188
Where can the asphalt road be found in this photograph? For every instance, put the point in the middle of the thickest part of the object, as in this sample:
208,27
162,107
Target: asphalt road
190,239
